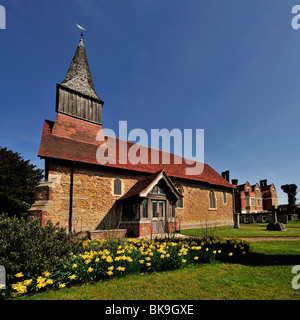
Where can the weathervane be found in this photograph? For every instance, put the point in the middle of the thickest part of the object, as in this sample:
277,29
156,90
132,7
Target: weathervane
81,28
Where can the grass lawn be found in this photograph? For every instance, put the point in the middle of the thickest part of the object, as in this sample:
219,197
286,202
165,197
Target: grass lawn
265,275
247,230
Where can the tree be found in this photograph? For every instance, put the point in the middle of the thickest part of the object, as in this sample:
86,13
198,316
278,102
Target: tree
18,179
291,190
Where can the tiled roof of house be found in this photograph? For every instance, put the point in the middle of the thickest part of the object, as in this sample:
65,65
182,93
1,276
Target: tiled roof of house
75,140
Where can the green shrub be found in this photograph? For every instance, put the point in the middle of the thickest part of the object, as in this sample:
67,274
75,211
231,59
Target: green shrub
27,247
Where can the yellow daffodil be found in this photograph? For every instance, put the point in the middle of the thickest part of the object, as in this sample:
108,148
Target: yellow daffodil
41,285
90,269
46,273
73,276
110,273
74,265
19,275
27,282
109,259
141,261
41,280
62,285
196,258
230,254
183,261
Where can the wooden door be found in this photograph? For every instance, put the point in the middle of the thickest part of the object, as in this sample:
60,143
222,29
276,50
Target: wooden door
158,216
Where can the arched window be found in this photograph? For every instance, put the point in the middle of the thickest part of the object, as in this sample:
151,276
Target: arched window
212,200
224,197
117,187
179,203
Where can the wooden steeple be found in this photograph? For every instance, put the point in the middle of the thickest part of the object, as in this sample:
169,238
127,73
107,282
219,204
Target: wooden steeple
76,95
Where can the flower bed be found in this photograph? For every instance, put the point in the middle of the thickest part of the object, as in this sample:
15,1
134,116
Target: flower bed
105,259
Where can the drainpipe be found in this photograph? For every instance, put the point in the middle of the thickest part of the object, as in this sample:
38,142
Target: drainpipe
71,196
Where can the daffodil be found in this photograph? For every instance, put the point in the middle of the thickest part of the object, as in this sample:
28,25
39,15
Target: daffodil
41,280
109,259
90,269
73,276
110,273
27,282
62,285
230,254
74,265
19,275
46,273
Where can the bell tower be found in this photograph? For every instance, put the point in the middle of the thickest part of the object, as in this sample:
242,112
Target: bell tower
76,95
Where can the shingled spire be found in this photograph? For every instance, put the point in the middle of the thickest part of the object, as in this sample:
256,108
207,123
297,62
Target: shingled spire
76,95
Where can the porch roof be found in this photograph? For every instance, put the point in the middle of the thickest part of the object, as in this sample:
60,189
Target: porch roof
142,187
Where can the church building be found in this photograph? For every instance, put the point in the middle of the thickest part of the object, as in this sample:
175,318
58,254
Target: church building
144,199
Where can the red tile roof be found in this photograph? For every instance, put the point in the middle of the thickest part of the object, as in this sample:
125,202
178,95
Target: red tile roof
75,140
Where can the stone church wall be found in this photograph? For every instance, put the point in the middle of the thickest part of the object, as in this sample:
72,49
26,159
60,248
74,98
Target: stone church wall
94,201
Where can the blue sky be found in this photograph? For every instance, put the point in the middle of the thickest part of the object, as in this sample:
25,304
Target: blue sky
229,67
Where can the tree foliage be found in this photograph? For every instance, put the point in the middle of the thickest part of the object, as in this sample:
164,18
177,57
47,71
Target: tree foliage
27,247
18,179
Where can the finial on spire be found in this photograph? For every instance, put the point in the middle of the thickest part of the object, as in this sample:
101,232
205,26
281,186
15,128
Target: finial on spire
81,28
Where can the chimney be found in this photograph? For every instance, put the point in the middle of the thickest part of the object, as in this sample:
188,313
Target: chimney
261,183
225,175
235,182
